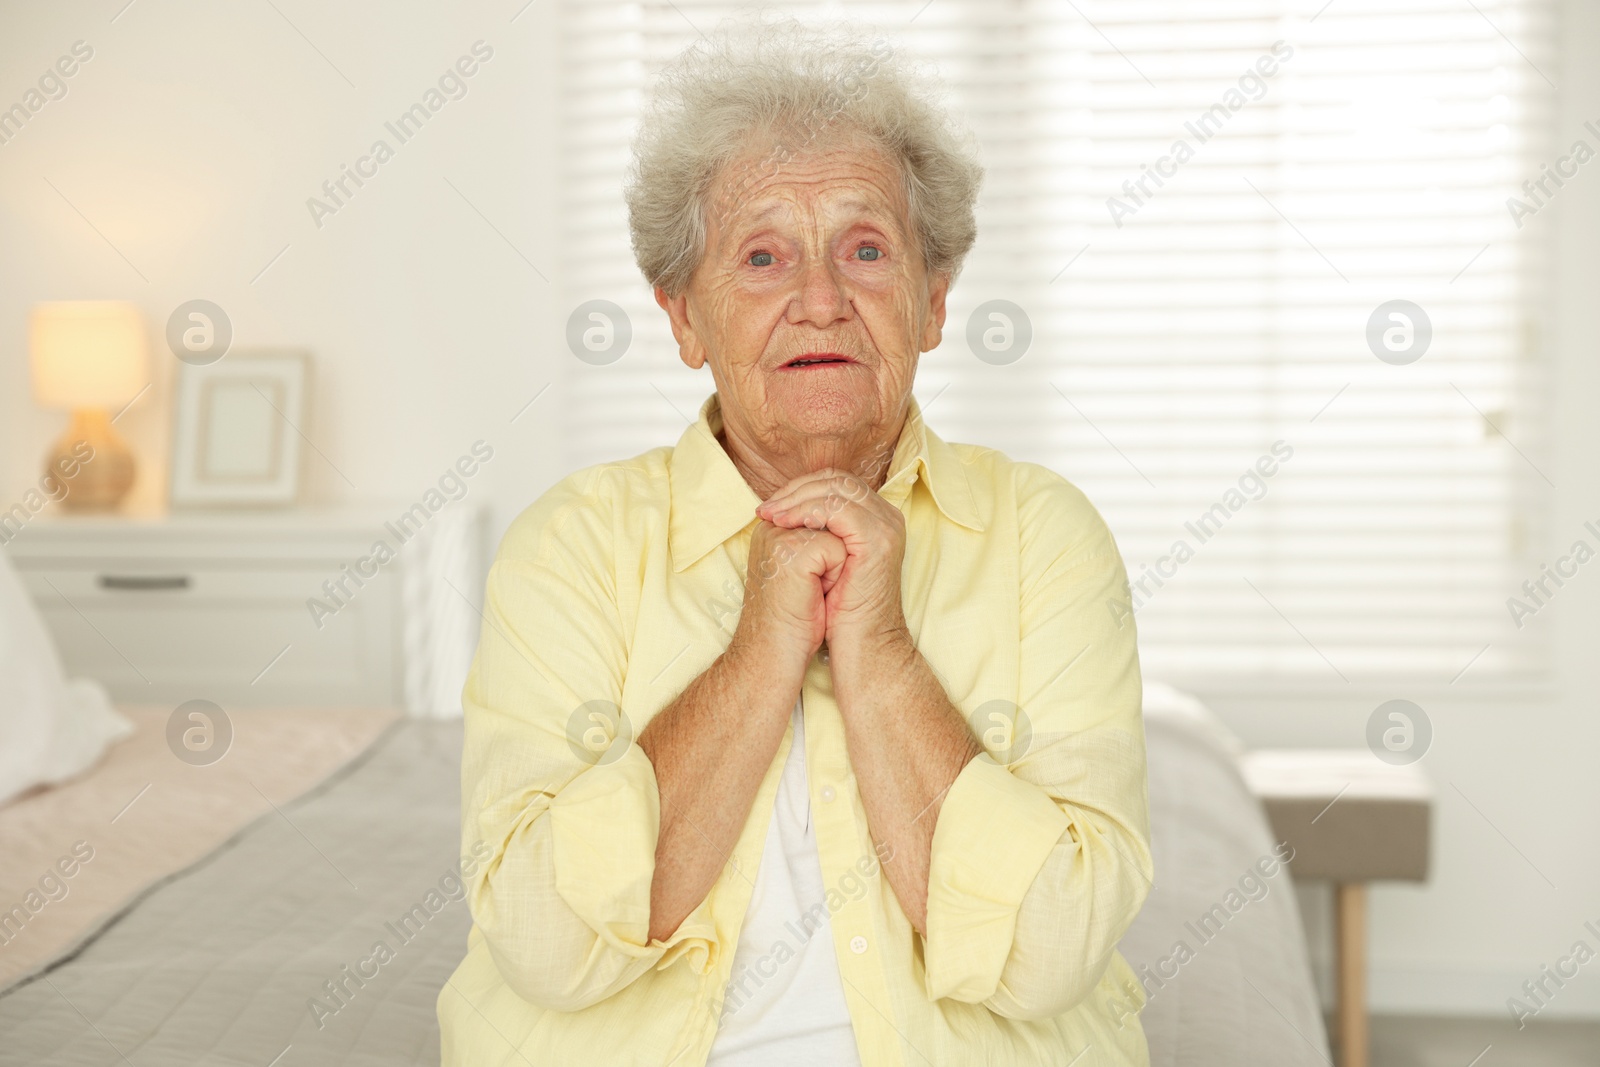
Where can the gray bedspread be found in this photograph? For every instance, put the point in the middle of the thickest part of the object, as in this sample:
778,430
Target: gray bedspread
236,960
1239,989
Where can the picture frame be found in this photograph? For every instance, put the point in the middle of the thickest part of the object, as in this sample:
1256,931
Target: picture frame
237,429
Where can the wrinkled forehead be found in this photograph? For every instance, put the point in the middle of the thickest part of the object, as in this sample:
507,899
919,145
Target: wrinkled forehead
773,184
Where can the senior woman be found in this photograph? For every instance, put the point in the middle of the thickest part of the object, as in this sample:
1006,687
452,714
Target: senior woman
809,740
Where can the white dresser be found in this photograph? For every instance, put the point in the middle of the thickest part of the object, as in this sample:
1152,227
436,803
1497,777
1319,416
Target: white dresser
261,608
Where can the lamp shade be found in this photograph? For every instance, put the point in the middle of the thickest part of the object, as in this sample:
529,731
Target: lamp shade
87,353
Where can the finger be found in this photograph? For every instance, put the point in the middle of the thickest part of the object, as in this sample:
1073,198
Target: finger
815,514
820,498
820,474
824,512
822,555
826,480
835,554
831,578
819,501
842,517
853,526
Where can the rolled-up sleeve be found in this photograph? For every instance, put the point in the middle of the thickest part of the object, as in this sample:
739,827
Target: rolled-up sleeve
553,779
1039,866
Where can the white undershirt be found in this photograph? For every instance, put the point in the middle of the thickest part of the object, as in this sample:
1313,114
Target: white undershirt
789,1011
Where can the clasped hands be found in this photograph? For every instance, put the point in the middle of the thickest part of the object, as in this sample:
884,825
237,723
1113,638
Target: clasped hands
825,564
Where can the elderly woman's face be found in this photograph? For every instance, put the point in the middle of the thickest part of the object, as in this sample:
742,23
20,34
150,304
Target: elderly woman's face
812,303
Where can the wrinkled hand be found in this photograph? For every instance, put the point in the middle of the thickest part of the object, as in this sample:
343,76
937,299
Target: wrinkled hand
791,572
863,603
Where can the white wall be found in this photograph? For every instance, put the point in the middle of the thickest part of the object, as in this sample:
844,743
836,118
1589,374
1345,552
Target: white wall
193,138
191,142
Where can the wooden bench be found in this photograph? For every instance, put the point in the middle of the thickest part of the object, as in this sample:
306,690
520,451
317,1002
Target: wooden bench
1351,819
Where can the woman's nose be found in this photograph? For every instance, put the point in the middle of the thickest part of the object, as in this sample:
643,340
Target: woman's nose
821,298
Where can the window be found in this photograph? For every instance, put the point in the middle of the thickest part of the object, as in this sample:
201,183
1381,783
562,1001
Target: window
1205,217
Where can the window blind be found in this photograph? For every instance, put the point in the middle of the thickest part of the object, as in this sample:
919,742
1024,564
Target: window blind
1204,214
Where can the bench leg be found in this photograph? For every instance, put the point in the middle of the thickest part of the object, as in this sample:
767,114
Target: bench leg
1350,900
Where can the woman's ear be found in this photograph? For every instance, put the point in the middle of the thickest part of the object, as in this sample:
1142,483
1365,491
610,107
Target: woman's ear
690,350
933,325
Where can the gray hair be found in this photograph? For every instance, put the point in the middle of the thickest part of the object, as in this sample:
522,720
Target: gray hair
795,85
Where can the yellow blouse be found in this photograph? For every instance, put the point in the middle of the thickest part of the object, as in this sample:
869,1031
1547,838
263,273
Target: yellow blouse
618,587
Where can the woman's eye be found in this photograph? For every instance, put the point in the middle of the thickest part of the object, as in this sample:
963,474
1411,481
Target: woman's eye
867,252
760,259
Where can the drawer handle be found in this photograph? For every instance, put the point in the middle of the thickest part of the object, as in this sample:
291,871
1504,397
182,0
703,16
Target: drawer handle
144,582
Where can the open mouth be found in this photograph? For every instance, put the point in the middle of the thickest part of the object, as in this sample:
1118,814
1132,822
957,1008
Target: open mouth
818,359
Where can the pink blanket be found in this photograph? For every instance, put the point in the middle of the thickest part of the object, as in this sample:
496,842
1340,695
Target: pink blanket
75,854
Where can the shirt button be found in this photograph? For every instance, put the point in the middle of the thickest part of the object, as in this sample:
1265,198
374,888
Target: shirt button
824,655
827,794
858,944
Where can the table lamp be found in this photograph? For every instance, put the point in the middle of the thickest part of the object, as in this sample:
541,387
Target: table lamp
89,357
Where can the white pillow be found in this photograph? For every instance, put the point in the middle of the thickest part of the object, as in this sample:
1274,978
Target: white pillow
50,728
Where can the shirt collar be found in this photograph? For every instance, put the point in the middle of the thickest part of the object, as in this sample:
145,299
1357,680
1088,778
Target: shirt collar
712,502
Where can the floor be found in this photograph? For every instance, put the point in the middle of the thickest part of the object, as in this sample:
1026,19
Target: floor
1423,1041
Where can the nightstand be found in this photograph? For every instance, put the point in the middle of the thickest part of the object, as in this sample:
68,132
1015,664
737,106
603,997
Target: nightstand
1351,819
262,608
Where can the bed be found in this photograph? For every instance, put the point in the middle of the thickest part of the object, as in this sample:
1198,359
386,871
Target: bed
252,954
